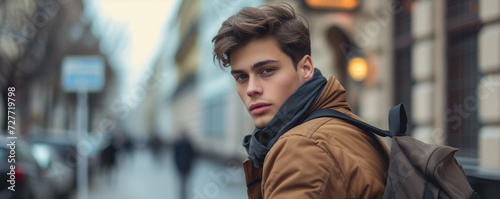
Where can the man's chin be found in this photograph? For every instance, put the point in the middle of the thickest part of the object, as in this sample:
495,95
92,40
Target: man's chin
261,124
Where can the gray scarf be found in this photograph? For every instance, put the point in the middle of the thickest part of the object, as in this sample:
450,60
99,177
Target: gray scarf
288,116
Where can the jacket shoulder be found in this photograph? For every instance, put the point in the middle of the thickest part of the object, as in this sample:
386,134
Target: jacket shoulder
343,142
339,154
327,128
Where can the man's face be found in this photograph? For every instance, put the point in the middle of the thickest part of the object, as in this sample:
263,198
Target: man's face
265,78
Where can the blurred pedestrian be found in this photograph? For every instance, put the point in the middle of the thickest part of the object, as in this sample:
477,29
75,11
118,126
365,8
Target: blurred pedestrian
156,147
184,155
108,159
128,147
269,52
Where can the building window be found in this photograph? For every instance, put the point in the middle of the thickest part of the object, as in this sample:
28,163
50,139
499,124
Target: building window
462,26
402,57
214,117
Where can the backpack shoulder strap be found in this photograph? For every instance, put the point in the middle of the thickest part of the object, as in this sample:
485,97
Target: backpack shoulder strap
397,121
362,125
336,114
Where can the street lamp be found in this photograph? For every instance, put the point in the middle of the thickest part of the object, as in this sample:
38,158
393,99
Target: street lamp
357,68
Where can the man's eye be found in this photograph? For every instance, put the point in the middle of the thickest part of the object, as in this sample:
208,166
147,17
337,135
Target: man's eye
240,77
267,71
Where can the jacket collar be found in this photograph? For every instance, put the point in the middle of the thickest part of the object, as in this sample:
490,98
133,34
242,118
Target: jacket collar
253,178
333,96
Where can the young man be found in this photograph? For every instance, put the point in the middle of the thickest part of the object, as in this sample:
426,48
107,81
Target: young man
268,51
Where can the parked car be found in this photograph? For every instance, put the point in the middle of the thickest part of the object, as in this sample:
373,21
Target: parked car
59,156
60,175
30,179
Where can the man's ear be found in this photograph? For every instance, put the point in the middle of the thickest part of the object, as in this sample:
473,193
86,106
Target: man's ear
306,68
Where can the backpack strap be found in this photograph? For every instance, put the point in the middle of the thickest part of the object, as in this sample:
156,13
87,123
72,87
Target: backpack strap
336,114
397,121
397,124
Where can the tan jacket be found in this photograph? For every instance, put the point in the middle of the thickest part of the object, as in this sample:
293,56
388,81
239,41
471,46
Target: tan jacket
322,158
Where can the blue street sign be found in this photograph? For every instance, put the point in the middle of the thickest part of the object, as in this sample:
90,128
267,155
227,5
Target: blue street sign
83,73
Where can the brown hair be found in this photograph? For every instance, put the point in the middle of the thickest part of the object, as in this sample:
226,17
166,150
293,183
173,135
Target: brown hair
279,21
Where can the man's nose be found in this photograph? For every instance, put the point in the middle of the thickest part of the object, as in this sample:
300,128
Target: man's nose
254,87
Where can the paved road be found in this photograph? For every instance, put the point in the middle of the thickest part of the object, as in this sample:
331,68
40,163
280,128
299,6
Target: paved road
141,176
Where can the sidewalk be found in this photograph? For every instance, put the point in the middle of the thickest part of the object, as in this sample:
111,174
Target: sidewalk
139,176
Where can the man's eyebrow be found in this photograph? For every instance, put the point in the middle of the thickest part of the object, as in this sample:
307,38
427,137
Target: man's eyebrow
261,63
256,65
236,72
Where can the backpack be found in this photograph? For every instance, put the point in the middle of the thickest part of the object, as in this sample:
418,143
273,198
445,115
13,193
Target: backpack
416,169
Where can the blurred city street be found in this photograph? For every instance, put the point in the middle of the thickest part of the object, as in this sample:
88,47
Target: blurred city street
141,175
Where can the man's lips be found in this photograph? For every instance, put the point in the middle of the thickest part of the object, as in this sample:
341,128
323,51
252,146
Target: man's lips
259,108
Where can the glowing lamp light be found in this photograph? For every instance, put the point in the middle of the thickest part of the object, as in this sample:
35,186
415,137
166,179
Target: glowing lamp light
347,5
358,68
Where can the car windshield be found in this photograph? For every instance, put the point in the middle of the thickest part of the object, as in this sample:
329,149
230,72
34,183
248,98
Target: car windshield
41,153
